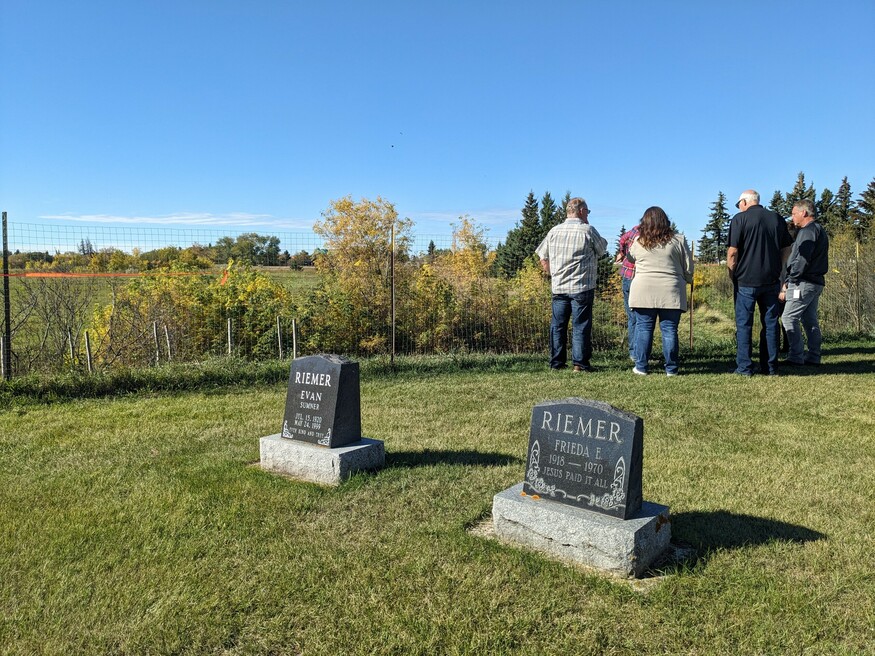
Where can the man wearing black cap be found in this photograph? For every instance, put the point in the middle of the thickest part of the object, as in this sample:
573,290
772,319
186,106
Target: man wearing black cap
759,245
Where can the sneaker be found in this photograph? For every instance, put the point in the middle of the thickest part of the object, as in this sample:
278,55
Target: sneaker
586,369
671,373
636,370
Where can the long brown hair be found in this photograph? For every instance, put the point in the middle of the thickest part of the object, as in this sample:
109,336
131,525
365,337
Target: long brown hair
654,229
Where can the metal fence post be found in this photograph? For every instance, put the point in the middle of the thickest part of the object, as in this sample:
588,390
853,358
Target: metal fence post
279,336
392,302
7,321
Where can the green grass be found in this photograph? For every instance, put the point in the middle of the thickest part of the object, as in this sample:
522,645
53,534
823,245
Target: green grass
138,524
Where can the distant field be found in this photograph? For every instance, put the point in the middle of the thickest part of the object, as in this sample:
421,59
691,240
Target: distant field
295,281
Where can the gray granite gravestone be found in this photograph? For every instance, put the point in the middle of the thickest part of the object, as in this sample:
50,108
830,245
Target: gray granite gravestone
581,499
586,454
323,401
321,437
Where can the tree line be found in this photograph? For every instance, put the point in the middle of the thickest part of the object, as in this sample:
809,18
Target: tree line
839,213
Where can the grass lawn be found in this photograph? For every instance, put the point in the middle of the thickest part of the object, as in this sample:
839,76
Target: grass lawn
138,524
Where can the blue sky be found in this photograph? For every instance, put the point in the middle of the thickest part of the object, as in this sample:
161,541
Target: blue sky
234,115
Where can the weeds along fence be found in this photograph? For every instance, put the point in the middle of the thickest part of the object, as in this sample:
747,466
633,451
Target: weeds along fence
94,298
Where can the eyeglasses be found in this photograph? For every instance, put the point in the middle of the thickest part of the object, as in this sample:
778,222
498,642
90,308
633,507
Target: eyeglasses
739,202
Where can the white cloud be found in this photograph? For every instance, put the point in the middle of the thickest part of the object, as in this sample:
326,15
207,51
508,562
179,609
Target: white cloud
200,219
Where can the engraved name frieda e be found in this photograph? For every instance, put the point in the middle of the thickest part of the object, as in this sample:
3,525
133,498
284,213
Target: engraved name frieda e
587,454
323,404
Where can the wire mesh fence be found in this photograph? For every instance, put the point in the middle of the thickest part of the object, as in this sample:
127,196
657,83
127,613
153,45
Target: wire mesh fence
93,298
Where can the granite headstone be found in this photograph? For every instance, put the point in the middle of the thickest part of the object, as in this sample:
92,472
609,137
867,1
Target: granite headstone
323,405
586,454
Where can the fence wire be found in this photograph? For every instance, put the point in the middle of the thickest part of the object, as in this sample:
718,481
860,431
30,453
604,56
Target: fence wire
95,298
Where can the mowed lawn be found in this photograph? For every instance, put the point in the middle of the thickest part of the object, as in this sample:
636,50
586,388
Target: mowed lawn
142,525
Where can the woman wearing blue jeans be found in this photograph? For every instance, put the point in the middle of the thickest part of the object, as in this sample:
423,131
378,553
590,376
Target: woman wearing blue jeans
663,267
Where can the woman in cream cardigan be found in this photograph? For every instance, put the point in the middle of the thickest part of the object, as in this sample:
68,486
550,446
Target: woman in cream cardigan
663,267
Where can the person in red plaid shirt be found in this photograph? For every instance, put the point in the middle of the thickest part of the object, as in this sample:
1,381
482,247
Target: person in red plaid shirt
627,272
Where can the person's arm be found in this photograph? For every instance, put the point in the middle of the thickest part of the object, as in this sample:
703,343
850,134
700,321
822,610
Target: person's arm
731,260
599,243
545,265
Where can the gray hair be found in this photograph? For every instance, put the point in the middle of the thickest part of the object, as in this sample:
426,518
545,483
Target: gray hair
752,197
573,207
806,205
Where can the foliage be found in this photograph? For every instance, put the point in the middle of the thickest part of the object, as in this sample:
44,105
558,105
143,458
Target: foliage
191,312
351,307
712,245
521,241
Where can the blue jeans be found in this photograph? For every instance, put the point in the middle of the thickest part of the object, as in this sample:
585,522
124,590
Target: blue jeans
577,307
802,308
746,301
631,317
644,326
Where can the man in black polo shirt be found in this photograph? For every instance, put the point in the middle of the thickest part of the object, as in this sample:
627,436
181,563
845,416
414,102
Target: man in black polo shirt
805,269
759,245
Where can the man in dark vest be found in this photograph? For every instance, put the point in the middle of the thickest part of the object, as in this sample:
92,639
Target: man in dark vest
759,245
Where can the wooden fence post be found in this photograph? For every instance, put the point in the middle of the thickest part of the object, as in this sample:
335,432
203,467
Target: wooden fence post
88,351
167,339
155,337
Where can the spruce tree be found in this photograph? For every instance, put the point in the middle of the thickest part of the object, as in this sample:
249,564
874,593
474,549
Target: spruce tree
844,205
619,237
864,213
779,204
827,210
800,192
521,241
547,214
712,245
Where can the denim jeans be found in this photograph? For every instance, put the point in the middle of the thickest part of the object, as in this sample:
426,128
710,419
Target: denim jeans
746,301
668,326
631,317
577,307
801,308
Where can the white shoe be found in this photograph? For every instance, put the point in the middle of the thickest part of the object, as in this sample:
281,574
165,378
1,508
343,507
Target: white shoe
671,373
636,370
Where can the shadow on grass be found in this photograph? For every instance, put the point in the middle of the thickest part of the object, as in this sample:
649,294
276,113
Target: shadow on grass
429,458
701,533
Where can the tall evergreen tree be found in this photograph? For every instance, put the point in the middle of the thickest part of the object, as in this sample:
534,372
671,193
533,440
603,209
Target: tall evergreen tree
864,213
827,213
800,192
547,214
619,237
712,245
779,204
521,241
844,205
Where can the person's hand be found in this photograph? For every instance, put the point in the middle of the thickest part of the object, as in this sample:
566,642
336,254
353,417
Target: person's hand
782,296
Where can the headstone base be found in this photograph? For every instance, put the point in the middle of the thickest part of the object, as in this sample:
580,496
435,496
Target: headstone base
319,464
620,547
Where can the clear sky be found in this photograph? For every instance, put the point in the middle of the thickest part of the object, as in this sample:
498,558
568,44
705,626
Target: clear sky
253,114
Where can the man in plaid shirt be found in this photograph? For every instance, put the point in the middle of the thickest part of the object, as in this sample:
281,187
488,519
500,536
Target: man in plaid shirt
627,272
570,253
